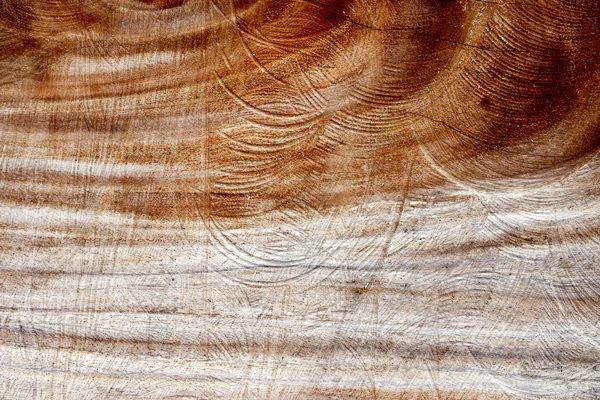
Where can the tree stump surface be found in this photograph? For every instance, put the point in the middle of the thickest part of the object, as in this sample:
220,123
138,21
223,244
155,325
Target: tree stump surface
299,199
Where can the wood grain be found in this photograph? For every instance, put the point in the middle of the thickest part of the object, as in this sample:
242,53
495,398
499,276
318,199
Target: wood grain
244,199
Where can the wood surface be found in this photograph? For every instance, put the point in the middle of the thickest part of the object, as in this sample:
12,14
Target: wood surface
299,199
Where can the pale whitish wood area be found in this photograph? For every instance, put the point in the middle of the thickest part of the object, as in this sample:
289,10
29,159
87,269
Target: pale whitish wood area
366,199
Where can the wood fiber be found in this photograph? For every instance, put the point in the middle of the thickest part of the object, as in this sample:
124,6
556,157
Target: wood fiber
299,199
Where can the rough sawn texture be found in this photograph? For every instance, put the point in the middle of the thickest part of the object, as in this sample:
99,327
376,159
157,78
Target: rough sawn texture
298,199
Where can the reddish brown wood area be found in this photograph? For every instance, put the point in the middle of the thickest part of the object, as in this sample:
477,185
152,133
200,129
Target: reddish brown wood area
303,199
